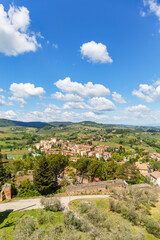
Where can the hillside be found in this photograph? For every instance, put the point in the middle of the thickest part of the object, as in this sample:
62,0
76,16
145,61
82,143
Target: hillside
8,123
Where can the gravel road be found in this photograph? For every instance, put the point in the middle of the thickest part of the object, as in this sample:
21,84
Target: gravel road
27,204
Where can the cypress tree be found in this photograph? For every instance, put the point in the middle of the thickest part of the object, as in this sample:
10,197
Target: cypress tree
43,177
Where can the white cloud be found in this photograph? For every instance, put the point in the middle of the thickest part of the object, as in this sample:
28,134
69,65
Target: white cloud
118,98
24,90
101,104
1,90
68,97
2,102
19,100
149,93
95,52
76,105
54,45
154,7
142,13
38,34
87,90
8,115
14,35
138,108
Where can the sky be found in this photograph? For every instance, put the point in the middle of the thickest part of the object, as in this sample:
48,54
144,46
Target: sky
83,60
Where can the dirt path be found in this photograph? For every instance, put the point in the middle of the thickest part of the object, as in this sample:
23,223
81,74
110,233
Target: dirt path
27,204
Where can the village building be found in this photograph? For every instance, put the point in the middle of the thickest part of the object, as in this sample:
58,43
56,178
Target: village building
155,177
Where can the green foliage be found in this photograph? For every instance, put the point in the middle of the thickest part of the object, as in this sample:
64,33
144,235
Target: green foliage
17,165
43,177
57,164
129,173
152,226
44,217
24,228
51,204
70,219
134,205
2,175
27,189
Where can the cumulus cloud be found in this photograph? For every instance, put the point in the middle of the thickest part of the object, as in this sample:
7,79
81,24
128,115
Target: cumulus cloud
95,52
118,98
149,93
101,104
87,90
138,108
8,115
22,91
67,97
2,102
26,90
154,7
1,90
15,38
76,105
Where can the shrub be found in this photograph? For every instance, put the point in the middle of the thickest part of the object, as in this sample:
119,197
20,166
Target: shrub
70,219
27,189
45,217
92,213
152,226
51,204
112,205
38,235
84,206
24,228
133,216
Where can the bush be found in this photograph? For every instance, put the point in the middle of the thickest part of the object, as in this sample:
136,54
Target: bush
133,216
70,219
112,205
84,206
27,189
45,217
152,226
24,228
92,213
51,204
38,235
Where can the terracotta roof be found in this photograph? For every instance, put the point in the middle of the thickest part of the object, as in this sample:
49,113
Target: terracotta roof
155,174
142,166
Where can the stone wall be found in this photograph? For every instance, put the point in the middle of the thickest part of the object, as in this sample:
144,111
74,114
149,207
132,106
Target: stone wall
99,187
6,192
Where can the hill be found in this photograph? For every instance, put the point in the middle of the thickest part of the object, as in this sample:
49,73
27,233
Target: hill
8,123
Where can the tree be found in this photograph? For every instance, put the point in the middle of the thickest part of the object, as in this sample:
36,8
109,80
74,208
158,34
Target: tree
82,167
109,170
17,165
129,173
43,178
95,169
57,164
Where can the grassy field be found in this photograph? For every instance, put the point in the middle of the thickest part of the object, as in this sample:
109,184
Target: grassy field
103,204
9,220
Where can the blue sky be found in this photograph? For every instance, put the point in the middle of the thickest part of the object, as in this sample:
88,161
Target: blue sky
67,60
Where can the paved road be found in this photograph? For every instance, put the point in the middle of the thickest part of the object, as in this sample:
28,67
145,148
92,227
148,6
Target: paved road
27,204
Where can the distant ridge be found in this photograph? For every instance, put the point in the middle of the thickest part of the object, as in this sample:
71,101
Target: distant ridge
8,123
